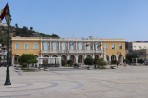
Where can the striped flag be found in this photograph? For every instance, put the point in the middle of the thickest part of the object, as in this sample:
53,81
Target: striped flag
4,11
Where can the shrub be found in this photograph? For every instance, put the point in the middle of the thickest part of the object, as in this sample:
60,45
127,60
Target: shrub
27,58
70,63
88,61
101,63
141,61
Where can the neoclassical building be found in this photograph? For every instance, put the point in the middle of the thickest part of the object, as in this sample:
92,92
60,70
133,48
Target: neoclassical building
51,50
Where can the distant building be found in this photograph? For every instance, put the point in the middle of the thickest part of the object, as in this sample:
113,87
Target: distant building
140,48
143,54
138,45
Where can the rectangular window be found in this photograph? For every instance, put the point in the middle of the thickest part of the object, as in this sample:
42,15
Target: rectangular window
35,46
105,46
17,46
113,46
120,46
26,46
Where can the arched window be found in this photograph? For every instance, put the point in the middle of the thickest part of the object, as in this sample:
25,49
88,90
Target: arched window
55,46
45,46
63,46
80,46
71,45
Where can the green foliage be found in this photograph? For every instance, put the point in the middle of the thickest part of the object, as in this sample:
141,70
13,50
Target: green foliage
55,35
130,56
141,61
3,38
24,65
88,61
70,62
27,58
101,63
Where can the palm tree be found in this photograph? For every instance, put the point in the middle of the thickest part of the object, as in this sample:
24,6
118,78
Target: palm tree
31,28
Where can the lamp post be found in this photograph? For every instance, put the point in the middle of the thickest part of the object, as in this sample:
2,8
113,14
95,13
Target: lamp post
8,20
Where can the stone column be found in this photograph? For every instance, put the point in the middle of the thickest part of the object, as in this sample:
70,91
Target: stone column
76,58
41,45
59,44
67,45
76,45
41,60
117,57
59,60
51,44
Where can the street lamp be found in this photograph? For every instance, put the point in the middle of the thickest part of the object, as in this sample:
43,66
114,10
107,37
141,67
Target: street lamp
8,20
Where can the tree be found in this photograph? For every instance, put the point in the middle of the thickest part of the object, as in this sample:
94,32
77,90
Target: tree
28,59
101,63
31,28
3,38
25,31
141,61
88,61
16,30
55,35
16,25
129,57
70,62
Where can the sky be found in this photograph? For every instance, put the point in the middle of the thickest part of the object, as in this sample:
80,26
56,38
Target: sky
126,19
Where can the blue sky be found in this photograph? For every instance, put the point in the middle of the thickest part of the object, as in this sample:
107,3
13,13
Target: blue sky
126,19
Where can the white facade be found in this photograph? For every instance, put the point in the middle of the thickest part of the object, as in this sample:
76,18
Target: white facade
138,45
71,49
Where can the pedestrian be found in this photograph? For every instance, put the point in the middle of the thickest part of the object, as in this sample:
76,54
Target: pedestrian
117,64
124,63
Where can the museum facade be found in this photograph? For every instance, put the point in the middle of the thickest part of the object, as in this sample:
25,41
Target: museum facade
59,50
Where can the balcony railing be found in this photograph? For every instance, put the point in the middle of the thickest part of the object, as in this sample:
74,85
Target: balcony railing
72,51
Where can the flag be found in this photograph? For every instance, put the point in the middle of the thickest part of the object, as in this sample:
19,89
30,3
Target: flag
4,11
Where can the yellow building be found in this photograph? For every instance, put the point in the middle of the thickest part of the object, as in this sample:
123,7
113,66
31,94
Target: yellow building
25,45
114,49
63,49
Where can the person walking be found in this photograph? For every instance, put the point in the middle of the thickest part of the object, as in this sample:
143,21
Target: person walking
117,63
124,63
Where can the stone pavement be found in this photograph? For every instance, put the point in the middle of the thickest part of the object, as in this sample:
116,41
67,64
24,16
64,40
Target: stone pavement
129,82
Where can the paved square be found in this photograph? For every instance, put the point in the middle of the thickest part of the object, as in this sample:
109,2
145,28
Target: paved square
129,82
